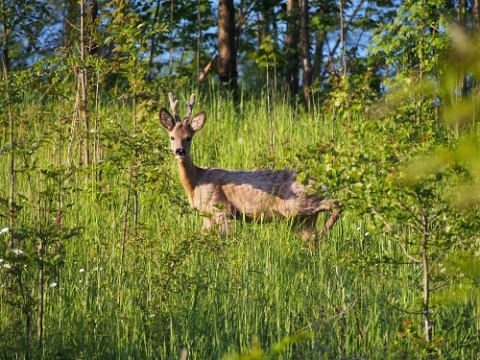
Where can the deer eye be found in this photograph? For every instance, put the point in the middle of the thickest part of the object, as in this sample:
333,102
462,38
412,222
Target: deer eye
172,138
189,138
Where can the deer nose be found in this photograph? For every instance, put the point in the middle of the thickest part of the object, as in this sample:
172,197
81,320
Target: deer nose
180,152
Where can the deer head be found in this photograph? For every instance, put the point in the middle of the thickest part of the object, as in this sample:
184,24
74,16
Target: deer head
181,131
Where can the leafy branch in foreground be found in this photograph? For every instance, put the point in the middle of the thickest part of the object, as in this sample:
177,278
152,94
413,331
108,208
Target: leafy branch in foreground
257,353
416,182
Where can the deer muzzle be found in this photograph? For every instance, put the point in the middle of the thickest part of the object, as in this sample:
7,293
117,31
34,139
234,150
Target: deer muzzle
180,152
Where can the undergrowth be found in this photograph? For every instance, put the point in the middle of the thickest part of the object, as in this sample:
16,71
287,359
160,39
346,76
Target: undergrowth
127,271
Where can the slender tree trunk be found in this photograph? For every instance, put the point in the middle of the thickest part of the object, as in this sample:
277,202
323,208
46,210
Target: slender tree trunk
476,29
92,27
28,318
476,15
227,53
199,33
425,233
291,49
134,166
153,41
263,26
462,21
171,37
82,94
5,38
60,187
320,38
343,29
41,291
11,170
70,17
305,43
426,290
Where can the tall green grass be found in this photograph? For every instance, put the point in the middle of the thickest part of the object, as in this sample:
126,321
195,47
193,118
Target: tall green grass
149,292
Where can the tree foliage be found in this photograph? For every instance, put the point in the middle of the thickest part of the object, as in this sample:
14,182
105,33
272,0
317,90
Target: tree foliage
398,80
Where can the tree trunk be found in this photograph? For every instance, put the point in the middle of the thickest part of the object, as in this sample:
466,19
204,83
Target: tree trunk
92,27
82,92
227,54
70,17
153,38
462,21
291,49
262,29
476,15
320,38
5,40
305,43
41,293
426,288
11,170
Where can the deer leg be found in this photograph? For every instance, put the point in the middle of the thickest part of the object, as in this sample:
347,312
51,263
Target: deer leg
305,227
218,220
330,222
207,222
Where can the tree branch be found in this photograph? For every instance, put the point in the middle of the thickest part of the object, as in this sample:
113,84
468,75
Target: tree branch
207,69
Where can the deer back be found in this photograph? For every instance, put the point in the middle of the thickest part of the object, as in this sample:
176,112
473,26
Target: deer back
256,193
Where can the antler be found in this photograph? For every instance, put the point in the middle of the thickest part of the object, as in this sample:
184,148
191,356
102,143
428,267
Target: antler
174,106
190,105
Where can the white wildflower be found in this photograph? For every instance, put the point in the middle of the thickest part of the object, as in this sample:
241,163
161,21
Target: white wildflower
18,252
4,230
53,284
82,270
7,266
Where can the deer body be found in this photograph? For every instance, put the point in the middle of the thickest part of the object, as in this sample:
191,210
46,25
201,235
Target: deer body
222,194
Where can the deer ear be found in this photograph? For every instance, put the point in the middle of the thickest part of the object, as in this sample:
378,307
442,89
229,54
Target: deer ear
167,120
198,121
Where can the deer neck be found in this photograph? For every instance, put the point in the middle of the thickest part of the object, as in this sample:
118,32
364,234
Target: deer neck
188,176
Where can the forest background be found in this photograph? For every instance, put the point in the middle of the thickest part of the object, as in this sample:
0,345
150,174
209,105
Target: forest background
100,256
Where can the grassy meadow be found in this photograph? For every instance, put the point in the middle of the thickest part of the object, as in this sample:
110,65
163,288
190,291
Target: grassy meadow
114,264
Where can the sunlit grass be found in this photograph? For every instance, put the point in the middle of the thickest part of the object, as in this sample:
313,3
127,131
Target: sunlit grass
149,292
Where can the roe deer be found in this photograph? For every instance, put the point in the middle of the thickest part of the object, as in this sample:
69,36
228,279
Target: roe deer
221,194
